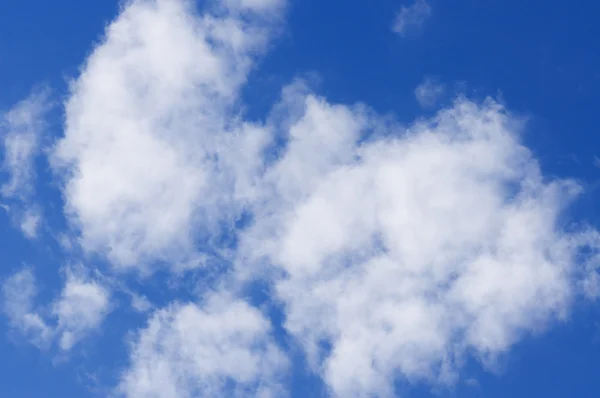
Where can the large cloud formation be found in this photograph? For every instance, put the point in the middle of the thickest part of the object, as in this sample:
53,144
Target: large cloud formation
405,252
395,251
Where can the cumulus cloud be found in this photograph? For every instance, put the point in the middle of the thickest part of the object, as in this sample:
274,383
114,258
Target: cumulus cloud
410,20
429,92
407,252
220,348
152,154
79,310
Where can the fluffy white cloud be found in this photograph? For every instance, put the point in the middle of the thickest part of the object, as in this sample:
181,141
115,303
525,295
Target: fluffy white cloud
221,348
429,92
152,153
410,19
80,309
414,248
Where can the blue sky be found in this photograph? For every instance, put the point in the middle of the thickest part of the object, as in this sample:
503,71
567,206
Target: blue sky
282,198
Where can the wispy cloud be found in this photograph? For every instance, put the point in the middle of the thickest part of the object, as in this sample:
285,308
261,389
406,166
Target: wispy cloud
140,303
18,303
21,129
79,310
410,19
82,306
30,222
429,92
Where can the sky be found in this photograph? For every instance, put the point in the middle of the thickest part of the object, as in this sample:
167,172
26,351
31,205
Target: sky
280,198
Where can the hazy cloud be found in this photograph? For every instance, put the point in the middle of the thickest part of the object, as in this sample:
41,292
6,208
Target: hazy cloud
410,19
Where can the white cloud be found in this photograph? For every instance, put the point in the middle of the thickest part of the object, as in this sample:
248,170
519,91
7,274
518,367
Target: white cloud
30,223
589,272
410,19
152,153
409,252
81,308
222,348
429,92
18,297
21,129
255,5
140,303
